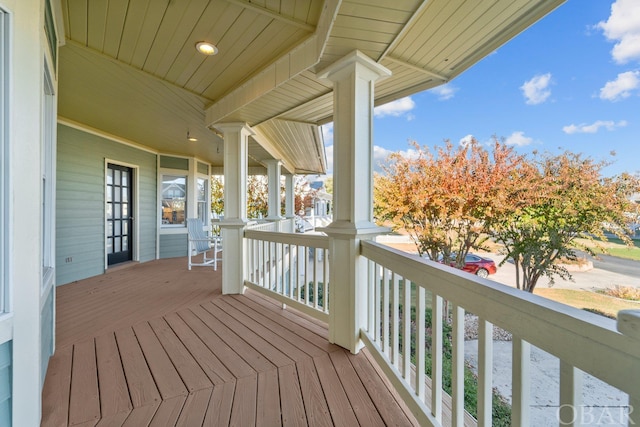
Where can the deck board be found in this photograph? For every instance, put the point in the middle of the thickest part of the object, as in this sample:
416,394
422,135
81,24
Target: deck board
156,345
114,393
84,400
164,374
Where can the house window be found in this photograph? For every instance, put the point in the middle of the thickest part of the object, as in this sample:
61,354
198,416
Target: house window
174,198
203,186
4,161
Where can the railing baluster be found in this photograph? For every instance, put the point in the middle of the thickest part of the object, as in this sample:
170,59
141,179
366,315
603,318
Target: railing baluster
421,348
299,272
485,372
457,367
385,312
395,319
371,286
406,333
325,280
291,269
378,303
306,275
316,254
520,382
570,412
436,355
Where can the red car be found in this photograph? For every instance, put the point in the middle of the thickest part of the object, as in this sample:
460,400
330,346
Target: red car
480,266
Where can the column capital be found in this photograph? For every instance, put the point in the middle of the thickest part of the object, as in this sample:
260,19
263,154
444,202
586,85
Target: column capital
367,68
234,127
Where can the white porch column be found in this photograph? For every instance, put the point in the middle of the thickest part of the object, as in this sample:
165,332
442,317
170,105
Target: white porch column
235,205
289,196
273,200
353,80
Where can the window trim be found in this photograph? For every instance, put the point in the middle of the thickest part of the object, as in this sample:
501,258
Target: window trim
176,173
5,235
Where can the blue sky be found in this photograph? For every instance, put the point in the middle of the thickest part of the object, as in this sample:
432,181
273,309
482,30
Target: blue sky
569,82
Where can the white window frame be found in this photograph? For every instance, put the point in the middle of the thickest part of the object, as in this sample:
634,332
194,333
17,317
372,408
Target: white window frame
5,232
176,173
47,168
207,196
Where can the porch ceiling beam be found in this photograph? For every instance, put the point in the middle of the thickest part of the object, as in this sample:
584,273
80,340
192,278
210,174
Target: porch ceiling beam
405,28
271,14
417,68
300,58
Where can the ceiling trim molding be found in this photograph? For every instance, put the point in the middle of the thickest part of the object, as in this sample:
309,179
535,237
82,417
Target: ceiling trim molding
271,14
406,27
102,134
417,68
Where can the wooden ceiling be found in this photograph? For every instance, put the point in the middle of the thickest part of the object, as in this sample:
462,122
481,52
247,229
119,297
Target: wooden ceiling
130,68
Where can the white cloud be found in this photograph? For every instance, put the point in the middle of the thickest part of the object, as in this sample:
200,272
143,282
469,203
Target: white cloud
466,140
444,92
622,87
517,138
623,28
593,127
536,90
396,108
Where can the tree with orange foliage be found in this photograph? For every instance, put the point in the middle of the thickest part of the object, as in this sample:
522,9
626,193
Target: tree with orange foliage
556,201
449,198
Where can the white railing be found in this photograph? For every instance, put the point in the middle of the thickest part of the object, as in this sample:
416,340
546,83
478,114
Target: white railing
583,342
284,225
292,268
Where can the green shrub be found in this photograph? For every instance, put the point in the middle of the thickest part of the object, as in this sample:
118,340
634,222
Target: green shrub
501,410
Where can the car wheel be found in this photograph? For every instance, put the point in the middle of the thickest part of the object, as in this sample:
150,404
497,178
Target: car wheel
482,273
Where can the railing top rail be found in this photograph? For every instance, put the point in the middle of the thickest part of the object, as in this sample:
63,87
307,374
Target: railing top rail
586,340
301,239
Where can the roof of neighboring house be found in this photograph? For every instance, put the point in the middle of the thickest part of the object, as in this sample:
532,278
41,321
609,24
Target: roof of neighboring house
131,70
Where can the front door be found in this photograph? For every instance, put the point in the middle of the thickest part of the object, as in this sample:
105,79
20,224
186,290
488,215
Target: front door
119,200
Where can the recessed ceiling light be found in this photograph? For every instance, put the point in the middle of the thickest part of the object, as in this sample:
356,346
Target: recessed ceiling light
206,48
191,138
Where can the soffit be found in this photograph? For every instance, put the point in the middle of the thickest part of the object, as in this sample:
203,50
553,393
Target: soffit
424,44
130,68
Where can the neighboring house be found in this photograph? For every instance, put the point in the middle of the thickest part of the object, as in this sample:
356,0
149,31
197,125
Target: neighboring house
100,103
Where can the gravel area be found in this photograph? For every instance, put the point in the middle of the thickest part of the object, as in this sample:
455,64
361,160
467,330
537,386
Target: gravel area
471,330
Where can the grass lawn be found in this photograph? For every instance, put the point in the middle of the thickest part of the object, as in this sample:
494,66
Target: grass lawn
587,300
615,247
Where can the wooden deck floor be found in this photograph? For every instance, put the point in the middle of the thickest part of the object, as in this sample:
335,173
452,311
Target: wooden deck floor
155,344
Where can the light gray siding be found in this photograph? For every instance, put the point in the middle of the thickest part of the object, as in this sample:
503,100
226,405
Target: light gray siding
173,245
80,204
5,384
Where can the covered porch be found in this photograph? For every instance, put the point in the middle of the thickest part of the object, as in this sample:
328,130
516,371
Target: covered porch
155,344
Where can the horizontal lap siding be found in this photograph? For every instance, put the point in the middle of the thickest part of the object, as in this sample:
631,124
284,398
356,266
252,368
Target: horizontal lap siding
5,384
80,204
173,245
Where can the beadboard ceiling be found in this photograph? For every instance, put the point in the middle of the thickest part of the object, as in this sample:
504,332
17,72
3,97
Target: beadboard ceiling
130,68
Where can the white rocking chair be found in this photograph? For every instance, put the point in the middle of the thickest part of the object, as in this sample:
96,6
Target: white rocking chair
201,242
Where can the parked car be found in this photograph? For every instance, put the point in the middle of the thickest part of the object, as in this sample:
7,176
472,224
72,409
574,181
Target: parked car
475,264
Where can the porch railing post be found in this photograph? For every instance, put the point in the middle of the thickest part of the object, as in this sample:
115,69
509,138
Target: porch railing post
353,80
235,206
629,325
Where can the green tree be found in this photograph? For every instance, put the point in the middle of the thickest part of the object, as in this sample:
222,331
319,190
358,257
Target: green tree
217,195
556,201
257,196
